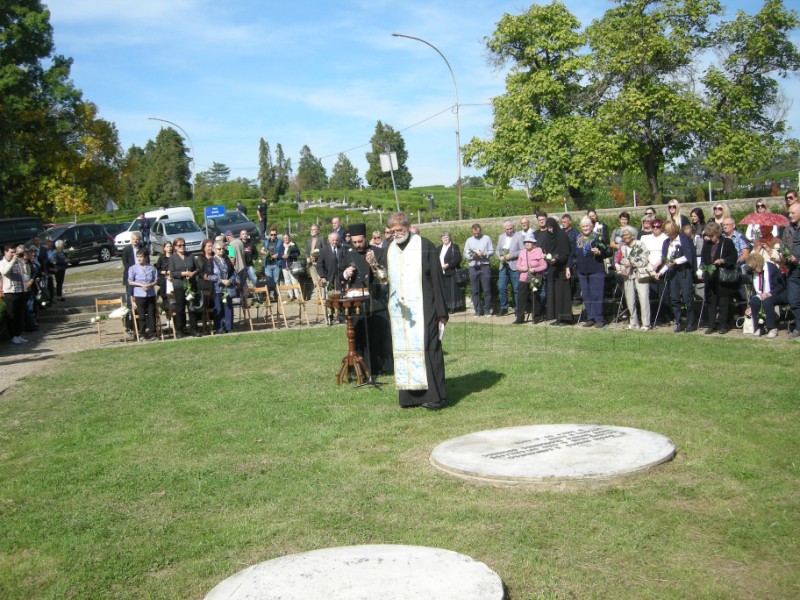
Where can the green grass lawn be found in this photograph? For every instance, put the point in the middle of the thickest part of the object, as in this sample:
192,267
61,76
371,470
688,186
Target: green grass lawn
156,471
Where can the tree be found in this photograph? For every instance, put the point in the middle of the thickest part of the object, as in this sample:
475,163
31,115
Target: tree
644,51
167,163
55,154
743,101
386,137
283,171
344,175
266,170
237,189
545,133
311,173
217,174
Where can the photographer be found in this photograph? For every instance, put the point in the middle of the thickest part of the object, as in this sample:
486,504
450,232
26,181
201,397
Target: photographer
15,288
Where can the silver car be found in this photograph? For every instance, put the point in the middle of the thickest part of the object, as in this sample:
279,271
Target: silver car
167,230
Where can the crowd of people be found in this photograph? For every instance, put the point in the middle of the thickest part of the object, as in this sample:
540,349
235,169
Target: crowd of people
33,278
687,270
684,269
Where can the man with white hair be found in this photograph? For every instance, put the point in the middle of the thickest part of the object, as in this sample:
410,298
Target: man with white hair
418,313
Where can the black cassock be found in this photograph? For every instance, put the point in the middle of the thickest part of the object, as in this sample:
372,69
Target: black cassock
374,318
434,307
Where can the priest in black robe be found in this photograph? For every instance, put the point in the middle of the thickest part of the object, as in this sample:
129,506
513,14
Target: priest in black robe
373,322
418,314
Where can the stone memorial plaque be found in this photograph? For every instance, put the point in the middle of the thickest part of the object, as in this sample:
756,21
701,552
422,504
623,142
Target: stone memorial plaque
384,572
554,456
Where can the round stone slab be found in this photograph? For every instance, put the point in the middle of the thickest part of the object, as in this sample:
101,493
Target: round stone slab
388,572
552,456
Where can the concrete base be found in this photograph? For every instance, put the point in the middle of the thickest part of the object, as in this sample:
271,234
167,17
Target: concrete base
552,456
373,572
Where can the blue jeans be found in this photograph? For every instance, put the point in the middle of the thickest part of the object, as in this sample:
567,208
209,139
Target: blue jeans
274,272
479,281
506,276
223,314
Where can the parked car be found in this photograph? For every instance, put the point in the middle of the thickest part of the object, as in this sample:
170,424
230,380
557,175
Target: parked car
166,230
113,229
20,230
176,212
83,241
235,221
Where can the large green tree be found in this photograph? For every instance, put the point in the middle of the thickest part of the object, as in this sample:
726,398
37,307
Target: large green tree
344,175
644,52
743,102
56,155
283,172
311,173
266,170
386,138
634,92
546,135
167,165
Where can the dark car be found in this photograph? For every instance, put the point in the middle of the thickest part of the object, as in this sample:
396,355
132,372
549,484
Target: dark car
83,241
234,221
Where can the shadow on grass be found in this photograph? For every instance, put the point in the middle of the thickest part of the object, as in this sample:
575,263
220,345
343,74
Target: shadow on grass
462,386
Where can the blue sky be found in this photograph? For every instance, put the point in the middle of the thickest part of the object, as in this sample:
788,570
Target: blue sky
320,73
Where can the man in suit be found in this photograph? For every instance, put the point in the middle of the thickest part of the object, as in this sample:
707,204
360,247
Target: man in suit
331,262
336,223
330,265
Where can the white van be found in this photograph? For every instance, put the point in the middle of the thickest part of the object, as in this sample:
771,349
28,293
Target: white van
182,213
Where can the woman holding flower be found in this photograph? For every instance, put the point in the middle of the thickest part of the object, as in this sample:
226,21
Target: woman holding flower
590,252
162,267
718,252
287,254
224,280
183,271
633,265
531,265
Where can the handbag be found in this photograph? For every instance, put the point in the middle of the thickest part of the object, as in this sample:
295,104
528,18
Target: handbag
728,275
461,276
198,303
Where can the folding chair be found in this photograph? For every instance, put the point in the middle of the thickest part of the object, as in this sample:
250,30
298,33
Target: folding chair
108,306
262,297
168,315
301,303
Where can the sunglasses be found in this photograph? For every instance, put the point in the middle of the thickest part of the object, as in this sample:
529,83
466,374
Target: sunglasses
717,208
760,206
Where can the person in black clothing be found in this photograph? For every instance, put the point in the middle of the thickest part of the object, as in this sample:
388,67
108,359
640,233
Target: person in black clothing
183,269
720,252
450,259
558,254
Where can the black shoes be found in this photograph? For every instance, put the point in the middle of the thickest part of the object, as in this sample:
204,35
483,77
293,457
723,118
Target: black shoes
589,324
431,406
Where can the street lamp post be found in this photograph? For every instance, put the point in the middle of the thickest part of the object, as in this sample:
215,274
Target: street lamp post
191,179
458,120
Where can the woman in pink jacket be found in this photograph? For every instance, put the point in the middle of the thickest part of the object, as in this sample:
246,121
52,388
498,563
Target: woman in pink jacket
531,265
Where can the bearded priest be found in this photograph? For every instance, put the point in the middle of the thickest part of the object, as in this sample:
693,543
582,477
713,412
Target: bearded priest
418,314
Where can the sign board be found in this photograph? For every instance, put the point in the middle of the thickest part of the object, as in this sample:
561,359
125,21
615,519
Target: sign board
212,212
388,161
